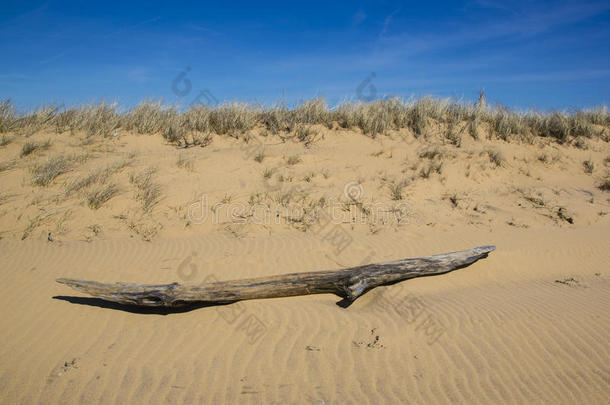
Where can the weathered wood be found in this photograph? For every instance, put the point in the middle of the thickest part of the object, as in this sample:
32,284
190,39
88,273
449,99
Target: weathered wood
347,283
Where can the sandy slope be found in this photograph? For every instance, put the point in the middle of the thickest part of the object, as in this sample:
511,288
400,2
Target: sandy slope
529,324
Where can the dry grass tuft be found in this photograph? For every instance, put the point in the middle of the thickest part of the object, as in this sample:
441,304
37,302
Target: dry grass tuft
604,185
496,157
181,136
5,140
7,116
306,134
588,166
232,119
148,193
293,160
453,198
185,161
374,119
432,152
432,166
45,173
82,183
308,177
259,157
396,189
312,112
31,147
506,124
268,173
98,196
97,177
148,117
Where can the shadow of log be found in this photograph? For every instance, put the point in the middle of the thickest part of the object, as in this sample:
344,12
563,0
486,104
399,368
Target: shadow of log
100,303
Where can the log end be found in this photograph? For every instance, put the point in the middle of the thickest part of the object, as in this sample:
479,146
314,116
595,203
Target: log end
484,249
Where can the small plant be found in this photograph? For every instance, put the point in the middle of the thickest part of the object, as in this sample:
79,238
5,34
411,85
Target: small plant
97,177
430,168
453,199
580,143
397,188
431,153
88,180
174,134
309,176
185,161
453,136
95,229
5,140
46,172
285,178
259,157
267,173
536,201
227,199
232,119
147,191
293,160
199,140
307,135
97,197
31,147
7,116
604,185
588,166
563,215
285,198
496,157
257,198
506,124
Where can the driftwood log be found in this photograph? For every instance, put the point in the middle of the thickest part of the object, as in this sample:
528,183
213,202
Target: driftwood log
347,283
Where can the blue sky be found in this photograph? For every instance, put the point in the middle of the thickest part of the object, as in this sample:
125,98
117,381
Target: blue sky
524,54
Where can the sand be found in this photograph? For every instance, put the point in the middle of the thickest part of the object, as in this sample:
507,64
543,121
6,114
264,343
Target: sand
529,324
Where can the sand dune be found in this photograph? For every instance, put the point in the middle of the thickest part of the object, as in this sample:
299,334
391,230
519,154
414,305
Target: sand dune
529,324
510,332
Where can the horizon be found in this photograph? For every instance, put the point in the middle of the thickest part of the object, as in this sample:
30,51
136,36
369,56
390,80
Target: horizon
545,56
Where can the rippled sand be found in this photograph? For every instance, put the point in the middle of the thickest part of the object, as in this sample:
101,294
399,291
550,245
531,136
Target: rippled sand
529,324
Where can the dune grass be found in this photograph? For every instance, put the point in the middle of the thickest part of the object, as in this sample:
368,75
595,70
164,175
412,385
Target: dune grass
100,195
588,166
96,177
604,184
396,189
196,125
148,192
185,161
46,172
30,147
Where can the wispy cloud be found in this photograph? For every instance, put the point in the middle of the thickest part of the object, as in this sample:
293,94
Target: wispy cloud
387,21
526,23
557,76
